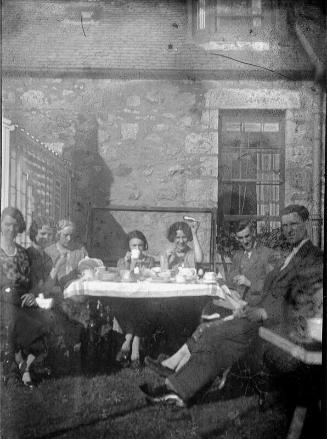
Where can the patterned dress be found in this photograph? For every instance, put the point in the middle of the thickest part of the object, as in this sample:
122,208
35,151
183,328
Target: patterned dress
67,272
187,260
20,326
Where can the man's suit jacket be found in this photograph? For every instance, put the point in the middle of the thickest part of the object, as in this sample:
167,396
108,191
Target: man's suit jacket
255,268
282,287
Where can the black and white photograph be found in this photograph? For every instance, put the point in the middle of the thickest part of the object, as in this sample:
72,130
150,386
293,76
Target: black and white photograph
162,219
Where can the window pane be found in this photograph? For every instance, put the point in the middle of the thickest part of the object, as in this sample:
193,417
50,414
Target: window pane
238,199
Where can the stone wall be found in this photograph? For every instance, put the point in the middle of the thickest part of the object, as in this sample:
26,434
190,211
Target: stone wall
155,143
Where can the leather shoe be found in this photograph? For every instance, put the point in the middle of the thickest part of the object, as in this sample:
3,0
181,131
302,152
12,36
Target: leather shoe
157,367
161,394
122,356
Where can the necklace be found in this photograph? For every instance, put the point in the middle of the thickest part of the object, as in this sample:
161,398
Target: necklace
9,254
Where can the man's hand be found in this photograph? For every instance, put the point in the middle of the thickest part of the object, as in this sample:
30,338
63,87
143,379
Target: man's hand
240,279
240,312
28,300
256,314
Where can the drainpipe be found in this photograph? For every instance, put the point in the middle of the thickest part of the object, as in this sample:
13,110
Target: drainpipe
318,121
7,127
317,168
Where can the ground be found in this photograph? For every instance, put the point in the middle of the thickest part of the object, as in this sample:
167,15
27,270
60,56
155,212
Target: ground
111,406
96,399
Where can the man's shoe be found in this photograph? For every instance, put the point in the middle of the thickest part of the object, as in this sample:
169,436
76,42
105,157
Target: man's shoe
157,367
161,394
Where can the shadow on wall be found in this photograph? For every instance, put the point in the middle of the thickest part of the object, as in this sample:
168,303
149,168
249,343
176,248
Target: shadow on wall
92,178
107,239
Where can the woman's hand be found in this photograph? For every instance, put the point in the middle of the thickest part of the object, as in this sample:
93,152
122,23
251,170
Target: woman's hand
28,300
127,257
194,225
171,255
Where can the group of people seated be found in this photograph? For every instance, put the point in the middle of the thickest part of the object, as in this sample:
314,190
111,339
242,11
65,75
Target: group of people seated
276,291
281,293
42,269
178,254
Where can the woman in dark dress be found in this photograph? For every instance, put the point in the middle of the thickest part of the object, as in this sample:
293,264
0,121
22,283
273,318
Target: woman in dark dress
65,332
135,260
23,327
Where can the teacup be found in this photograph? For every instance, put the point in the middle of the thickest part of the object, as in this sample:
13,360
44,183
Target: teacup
44,303
125,275
135,253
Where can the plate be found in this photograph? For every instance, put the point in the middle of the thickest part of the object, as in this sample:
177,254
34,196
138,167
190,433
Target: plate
160,280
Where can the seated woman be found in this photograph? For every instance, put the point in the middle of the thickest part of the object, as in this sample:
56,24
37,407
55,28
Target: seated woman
21,319
181,254
135,260
42,272
44,281
66,253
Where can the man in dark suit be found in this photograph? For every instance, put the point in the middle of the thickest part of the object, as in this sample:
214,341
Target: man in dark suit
250,265
220,344
249,268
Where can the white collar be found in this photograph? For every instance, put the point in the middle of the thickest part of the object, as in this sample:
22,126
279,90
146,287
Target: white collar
293,253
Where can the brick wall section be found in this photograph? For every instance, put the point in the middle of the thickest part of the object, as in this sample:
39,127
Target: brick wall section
122,34
155,143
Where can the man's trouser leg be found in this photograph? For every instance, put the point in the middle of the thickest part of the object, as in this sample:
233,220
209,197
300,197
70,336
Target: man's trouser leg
218,347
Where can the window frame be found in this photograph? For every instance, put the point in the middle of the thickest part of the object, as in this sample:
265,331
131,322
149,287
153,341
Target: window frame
248,116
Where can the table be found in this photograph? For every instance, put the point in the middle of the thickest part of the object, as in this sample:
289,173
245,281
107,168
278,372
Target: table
309,354
145,305
306,353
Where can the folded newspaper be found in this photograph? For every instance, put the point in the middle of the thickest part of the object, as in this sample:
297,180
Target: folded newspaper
229,299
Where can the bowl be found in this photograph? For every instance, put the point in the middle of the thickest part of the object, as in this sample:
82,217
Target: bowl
164,274
187,272
156,270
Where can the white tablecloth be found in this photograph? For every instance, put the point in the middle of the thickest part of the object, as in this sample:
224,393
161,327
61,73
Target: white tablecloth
144,289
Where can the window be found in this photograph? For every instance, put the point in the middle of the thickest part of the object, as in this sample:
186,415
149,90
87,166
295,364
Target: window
251,165
201,14
247,22
218,15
